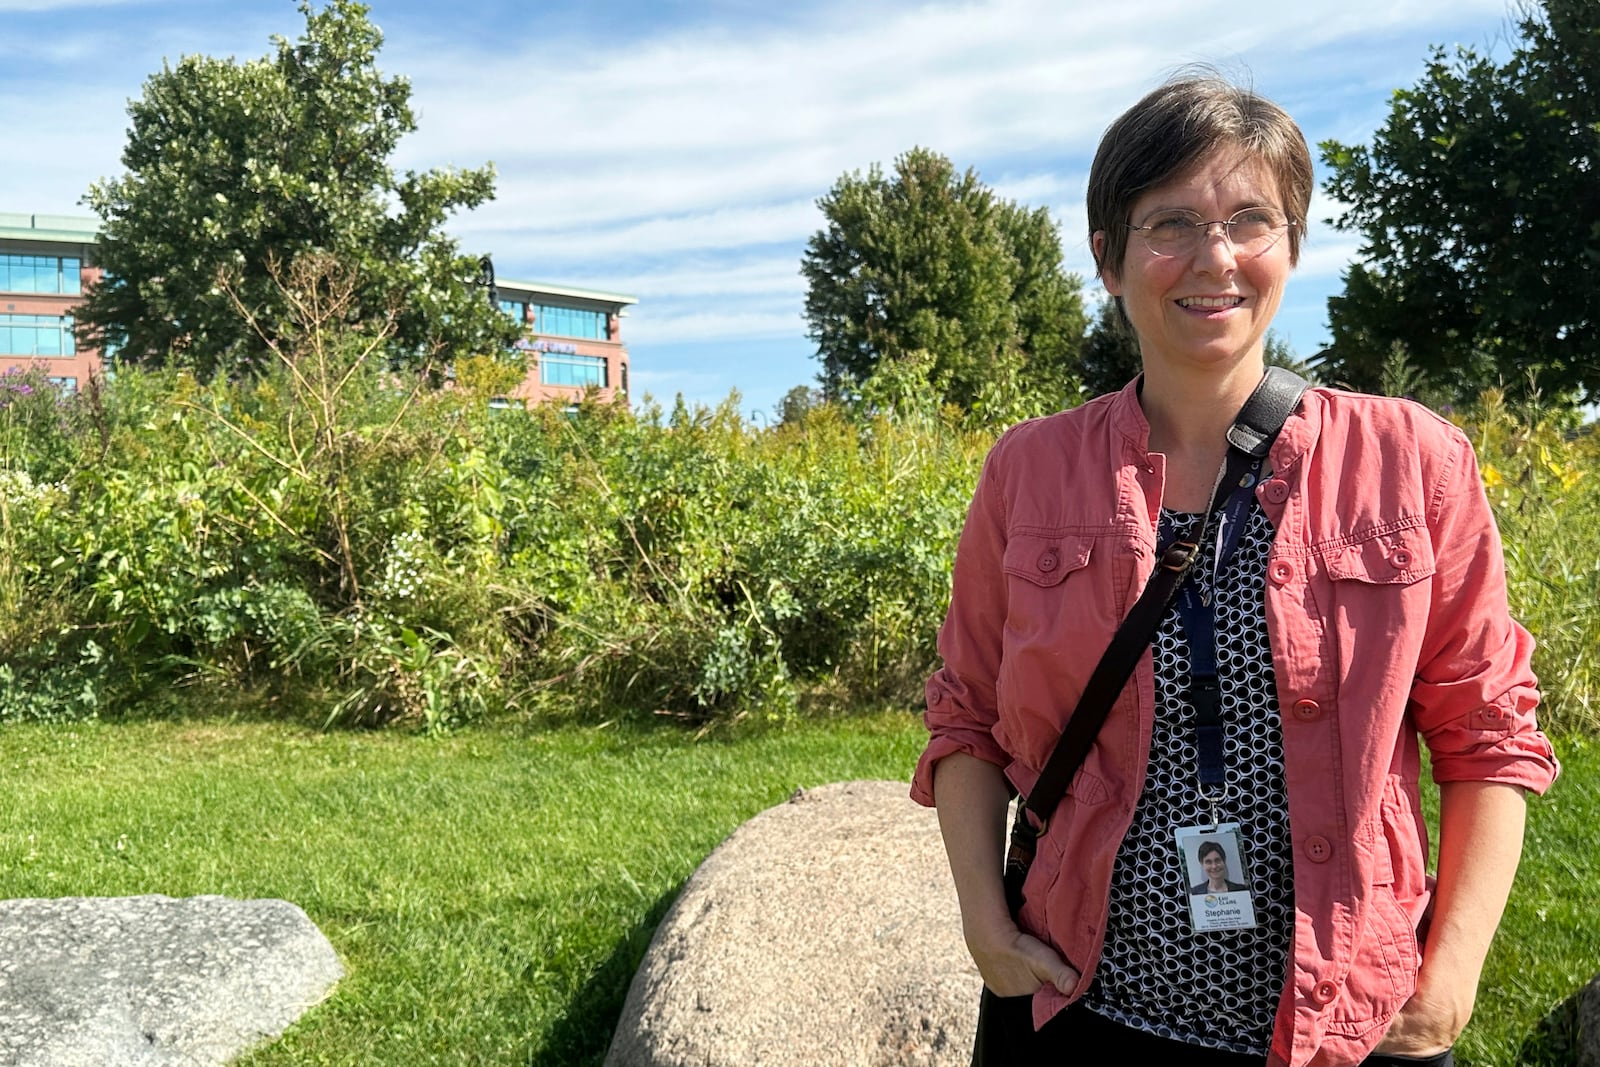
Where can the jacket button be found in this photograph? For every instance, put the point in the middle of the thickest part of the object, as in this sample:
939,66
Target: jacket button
1047,562
1325,992
1281,571
1318,849
1401,559
1307,710
1276,491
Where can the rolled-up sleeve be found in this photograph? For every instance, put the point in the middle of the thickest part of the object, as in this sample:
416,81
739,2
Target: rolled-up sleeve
961,695
1475,692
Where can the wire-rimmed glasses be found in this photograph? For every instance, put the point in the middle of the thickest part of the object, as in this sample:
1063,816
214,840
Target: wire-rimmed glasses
1251,231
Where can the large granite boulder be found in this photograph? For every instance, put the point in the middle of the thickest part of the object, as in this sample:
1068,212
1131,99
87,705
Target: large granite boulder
824,930
153,981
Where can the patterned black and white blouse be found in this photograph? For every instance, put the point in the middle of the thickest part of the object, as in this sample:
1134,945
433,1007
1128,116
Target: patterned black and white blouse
1217,989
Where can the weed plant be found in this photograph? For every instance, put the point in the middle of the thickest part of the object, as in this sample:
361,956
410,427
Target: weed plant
330,535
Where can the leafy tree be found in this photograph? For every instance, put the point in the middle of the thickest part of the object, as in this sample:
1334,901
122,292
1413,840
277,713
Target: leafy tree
236,170
1110,354
797,403
1479,207
930,265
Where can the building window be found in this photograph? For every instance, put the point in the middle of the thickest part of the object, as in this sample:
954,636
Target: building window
68,386
37,335
40,274
581,371
570,322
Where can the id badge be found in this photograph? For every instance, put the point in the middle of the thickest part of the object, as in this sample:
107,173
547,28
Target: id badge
1218,888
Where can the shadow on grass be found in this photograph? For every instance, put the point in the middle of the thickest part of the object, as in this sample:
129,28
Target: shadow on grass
583,1035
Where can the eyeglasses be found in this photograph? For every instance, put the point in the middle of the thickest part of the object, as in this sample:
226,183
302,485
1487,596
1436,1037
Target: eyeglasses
1250,231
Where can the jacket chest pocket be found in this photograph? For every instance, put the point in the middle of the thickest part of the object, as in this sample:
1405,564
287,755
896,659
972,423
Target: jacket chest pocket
1044,583
1396,553
1373,591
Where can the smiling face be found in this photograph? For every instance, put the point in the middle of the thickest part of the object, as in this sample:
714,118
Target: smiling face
1216,867
1209,309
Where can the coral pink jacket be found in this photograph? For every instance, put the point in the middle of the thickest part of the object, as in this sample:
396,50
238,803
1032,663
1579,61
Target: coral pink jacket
1386,609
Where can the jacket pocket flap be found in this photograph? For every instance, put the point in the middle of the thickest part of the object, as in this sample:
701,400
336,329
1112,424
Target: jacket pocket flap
1045,560
1396,554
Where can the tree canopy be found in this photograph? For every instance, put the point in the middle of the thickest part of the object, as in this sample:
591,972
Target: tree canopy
234,170
927,267
1478,204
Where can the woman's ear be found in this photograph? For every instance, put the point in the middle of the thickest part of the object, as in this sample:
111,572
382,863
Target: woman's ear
1108,277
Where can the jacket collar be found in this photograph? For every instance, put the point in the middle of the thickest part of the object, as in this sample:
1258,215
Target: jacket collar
1296,438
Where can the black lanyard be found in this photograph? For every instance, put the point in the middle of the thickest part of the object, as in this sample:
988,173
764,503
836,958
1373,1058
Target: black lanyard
1197,613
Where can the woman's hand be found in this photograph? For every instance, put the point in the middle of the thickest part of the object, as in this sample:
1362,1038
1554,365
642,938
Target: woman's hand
1426,1025
1014,964
972,797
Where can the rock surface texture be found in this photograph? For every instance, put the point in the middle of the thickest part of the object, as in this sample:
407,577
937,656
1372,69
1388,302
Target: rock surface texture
153,981
1589,1024
824,930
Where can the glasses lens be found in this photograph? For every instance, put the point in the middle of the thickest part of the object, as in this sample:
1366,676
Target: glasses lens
1178,233
1173,232
1255,229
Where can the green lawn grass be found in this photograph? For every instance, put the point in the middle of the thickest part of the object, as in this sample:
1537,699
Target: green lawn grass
492,891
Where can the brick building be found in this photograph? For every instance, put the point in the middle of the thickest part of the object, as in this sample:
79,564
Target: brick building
573,340
573,337
46,263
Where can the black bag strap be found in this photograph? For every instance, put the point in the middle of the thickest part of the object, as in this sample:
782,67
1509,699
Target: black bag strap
1249,439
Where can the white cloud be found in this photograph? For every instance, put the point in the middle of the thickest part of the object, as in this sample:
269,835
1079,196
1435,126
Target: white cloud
683,166
732,227
665,327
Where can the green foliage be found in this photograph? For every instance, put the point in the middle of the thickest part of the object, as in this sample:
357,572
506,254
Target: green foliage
236,170
330,533
1478,204
1541,477
329,530
928,265
1111,354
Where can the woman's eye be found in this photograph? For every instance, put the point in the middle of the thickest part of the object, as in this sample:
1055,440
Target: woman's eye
1256,217
1172,224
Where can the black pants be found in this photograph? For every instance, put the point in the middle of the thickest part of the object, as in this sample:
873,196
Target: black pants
1006,1038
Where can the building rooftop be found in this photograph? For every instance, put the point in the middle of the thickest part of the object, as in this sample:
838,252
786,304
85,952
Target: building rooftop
85,229
569,291
63,229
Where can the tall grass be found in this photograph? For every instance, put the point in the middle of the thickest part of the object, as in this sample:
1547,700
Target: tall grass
398,555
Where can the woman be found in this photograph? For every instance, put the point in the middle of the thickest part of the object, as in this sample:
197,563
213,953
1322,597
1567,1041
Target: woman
1360,604
1215,863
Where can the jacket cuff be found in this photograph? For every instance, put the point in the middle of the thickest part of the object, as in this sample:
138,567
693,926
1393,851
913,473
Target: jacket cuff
979,743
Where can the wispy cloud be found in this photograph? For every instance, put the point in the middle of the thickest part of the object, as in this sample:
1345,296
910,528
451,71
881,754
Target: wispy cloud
683,164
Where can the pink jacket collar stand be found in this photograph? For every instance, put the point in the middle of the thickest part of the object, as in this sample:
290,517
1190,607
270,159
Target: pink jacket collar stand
1386,607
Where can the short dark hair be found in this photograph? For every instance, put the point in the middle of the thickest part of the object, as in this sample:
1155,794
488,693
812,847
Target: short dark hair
1207,848
1172,130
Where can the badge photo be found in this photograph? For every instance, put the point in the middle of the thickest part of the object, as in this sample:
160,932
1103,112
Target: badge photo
1219,889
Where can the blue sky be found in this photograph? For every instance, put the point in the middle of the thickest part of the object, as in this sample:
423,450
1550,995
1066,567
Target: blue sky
675,150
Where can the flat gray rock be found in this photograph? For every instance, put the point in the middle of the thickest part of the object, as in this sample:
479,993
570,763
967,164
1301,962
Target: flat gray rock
153,981
824,930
